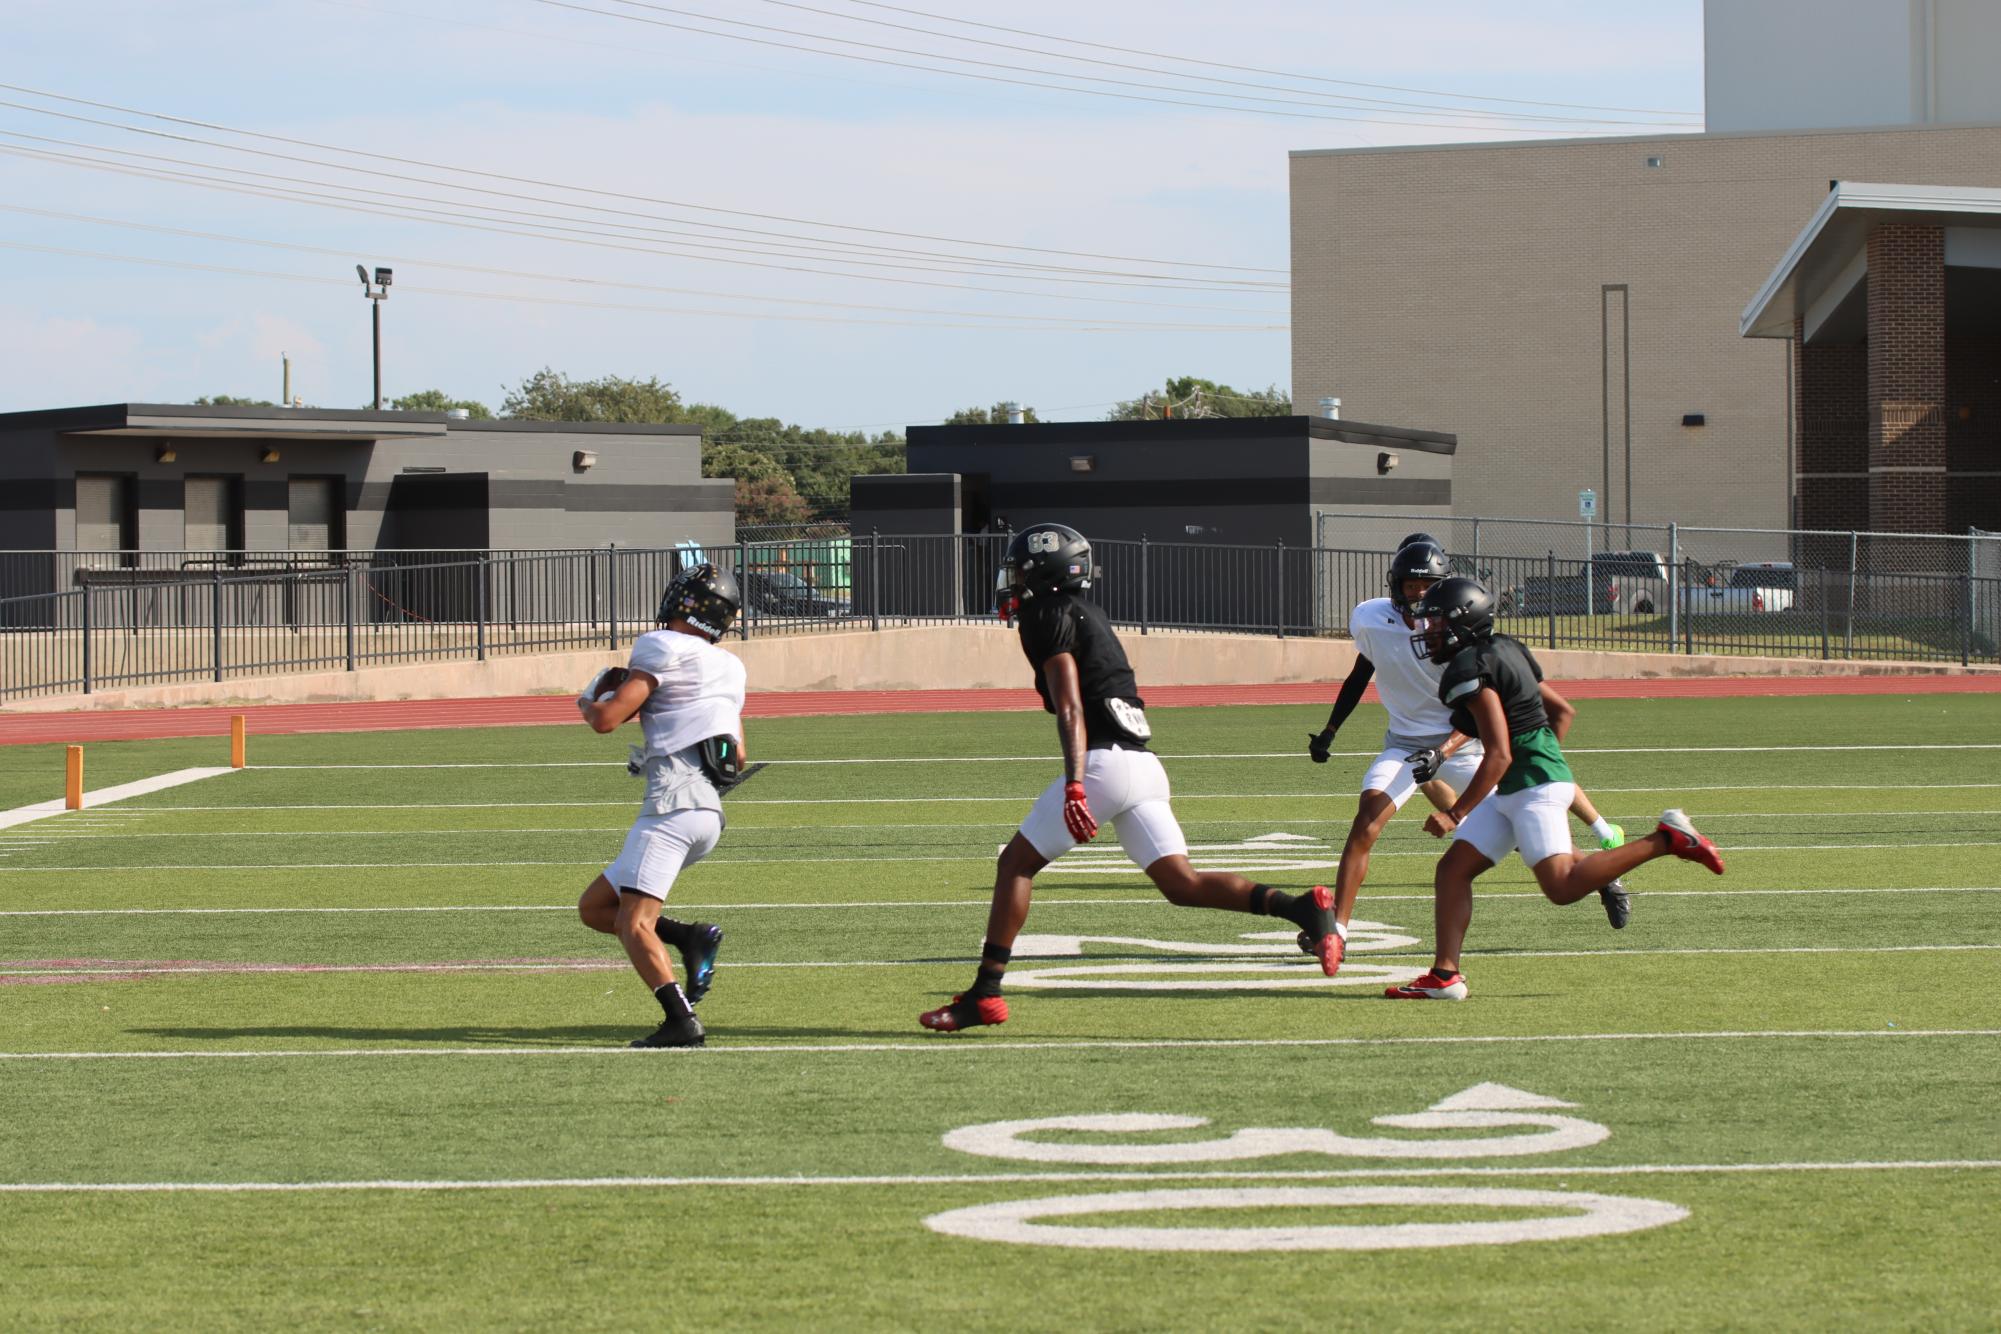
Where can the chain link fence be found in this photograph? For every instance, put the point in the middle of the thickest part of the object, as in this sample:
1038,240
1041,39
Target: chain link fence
1922,597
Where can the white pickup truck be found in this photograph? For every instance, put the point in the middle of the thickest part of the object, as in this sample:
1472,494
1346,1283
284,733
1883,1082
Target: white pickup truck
1756,586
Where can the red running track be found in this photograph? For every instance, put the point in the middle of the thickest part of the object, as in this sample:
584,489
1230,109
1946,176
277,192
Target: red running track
512,711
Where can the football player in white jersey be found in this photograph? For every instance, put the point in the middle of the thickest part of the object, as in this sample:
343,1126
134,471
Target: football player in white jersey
1420,728
688,696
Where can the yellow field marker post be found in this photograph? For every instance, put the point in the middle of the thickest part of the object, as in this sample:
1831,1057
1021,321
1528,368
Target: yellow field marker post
236,741
73,778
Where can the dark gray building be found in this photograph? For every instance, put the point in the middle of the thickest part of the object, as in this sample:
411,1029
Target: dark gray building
173,478
1233,489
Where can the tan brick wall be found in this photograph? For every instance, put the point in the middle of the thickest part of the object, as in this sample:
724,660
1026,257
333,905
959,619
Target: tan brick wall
1458,288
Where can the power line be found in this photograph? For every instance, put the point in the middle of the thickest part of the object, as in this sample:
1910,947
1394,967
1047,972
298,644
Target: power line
409,260
604,194
1282,74
996,78
580,236
523,298
1344,99
872,256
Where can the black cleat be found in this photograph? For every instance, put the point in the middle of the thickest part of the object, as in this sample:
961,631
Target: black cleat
1618,904
673,1033
699,947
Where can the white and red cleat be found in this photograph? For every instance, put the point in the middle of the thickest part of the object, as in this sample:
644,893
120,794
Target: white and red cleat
1687,842
1430,986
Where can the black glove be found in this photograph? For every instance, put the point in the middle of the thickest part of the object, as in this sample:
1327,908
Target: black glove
1318,743
1424,763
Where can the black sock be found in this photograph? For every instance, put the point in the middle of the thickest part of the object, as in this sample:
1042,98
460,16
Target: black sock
672,1001
1277,903
986,984
673,932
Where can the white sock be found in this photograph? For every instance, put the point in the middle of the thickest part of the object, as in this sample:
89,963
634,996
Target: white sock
1602,827
1341,930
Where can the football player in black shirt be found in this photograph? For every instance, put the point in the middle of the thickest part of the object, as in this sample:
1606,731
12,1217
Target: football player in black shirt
1108,773
1494,687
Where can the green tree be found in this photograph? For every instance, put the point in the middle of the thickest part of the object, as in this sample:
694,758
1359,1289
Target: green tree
550,395
1192,396
436,400
232,401
993,416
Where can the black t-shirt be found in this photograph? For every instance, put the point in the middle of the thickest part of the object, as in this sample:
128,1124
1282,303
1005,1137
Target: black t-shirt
1113,710
1509,669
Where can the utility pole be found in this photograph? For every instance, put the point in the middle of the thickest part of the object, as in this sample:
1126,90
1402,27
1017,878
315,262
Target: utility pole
376,294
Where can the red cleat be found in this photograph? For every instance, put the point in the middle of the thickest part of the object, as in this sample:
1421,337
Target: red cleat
1329,947
1687,843
1430,986
963,1013
1326,943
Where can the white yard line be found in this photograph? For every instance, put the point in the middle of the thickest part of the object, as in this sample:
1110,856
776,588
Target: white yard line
990,1178
1021,799
975,1045
903,760
124,833
42,810
1430,854
1144,900
1190,961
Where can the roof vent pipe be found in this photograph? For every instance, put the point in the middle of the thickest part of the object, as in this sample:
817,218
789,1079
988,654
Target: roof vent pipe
1330,407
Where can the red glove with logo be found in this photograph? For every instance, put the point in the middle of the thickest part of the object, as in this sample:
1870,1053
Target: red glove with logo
1077,813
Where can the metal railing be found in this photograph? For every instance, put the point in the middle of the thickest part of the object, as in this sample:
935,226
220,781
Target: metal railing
159,619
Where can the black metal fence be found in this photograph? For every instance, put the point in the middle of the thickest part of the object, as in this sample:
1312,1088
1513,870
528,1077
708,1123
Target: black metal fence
162,618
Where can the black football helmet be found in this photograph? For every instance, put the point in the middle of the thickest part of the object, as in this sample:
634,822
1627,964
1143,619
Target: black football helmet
1453,614
706,596
1043,559
1414,538
1415,560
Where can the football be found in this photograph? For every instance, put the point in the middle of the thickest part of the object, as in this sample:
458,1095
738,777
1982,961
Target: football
608,682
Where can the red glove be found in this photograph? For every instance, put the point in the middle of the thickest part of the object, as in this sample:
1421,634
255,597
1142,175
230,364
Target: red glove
1077,813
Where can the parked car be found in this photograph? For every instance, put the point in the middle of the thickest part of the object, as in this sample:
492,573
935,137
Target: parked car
783,593
1756,586
1623,583
1633,582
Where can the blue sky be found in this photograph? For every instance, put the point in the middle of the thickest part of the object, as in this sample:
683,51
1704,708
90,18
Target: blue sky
657,120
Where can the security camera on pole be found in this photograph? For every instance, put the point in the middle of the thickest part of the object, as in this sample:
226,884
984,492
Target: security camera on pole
376,294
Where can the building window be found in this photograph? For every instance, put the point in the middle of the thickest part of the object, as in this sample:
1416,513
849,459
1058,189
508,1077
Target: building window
106,517
315,521
213,514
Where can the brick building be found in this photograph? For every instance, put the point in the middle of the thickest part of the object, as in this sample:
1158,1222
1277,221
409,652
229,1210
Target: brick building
1890,302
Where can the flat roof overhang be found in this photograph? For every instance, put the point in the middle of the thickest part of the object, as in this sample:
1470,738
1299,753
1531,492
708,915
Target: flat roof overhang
1828,261
181,421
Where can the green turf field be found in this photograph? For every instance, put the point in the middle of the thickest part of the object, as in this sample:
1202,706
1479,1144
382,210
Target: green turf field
335,1033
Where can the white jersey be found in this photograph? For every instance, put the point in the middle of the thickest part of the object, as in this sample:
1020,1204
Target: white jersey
1406,683
700,694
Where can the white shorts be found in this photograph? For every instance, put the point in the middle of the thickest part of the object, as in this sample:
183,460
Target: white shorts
658,846
1536,819
1389,775
1128,790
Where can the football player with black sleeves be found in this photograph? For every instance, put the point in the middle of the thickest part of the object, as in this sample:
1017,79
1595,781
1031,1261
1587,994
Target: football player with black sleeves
1520,796
1084,679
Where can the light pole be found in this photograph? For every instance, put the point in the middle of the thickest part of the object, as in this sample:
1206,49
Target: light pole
376,294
